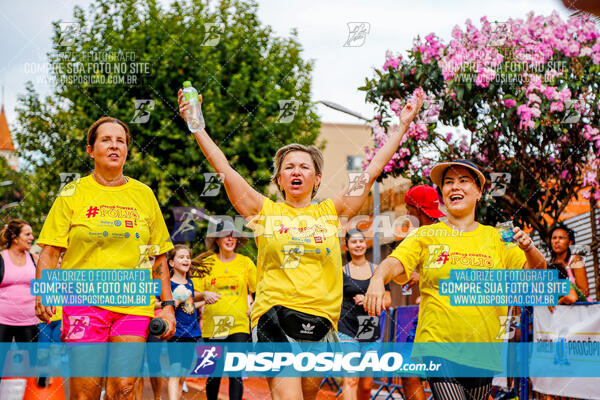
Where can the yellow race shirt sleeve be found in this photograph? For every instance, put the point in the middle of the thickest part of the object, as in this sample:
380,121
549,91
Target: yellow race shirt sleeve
257,222
159,234
513,258
251,271
329,213
198,283
409,253
55,231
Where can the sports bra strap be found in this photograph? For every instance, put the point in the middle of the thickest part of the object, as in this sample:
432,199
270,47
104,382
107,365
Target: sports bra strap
347,269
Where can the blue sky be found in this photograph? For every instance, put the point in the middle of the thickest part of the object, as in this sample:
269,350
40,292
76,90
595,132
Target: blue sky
25,28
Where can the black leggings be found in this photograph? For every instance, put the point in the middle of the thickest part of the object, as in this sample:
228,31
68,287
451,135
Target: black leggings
236,386
460,388
28,333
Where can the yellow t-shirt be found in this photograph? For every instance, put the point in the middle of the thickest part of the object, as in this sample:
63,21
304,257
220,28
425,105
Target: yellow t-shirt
299,261
233,281
433,251
58,315
107,227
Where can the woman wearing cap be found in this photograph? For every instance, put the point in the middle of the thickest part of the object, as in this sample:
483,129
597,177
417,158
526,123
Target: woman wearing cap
227,291
458,243
299,264
106,221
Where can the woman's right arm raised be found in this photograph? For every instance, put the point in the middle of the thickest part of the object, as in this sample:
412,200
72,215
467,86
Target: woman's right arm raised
247,201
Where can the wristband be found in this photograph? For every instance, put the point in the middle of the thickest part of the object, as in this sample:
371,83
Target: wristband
165,303
529,246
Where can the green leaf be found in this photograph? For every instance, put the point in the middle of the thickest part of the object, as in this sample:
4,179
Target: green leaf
460,91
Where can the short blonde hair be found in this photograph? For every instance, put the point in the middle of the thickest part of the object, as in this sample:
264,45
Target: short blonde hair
315,154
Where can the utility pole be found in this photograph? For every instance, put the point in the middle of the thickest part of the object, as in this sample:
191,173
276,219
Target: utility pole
376,194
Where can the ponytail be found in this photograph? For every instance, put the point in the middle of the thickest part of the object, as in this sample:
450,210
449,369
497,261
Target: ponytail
201,265
10,232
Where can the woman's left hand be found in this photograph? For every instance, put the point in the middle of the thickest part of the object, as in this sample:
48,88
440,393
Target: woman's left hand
523,240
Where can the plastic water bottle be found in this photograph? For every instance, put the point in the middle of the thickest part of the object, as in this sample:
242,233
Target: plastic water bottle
158,326
193,116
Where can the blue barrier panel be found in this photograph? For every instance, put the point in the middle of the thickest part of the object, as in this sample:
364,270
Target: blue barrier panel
403,322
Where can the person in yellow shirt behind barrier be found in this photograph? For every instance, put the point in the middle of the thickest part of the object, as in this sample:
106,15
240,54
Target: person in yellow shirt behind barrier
433,251
227,290
106,221
299,264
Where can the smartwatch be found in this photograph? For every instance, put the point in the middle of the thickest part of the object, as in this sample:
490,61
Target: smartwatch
165,303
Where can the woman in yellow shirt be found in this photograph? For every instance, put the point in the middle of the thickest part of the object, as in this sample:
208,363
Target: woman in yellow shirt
433,250
299,265
106,221
229,284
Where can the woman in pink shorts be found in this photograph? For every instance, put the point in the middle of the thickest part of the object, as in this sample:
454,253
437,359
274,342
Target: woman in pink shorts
107,221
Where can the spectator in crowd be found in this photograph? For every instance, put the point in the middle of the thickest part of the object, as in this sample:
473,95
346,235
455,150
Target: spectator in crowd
570,266
227,289
358,331
17,268
187,330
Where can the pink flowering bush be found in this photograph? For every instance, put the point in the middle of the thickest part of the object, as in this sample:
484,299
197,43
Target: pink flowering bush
521,97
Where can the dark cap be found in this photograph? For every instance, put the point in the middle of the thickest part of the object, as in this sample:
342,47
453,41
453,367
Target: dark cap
437,172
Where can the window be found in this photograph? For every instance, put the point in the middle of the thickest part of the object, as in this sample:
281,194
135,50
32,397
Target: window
354,163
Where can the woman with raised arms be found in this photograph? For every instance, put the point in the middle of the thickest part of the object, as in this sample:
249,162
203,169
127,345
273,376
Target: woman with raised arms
299,265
